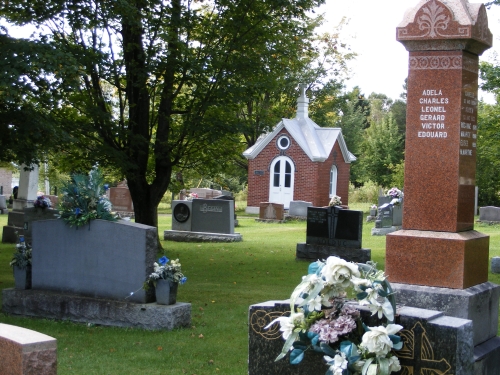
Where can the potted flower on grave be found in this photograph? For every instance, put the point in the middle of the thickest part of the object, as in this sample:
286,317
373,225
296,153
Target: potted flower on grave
335,201
21,264
323,322
373,210
165,278
83,199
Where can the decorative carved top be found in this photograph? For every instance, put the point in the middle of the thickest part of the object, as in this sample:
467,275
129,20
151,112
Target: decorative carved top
456,20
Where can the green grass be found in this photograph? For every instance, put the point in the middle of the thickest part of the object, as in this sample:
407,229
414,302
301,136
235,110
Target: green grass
224,279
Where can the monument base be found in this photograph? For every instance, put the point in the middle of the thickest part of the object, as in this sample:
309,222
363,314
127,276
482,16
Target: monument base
312,253
478,303
81,309
384,231
440,259
186,236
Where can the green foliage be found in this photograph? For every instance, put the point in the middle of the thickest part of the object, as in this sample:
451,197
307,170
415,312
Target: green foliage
382,147
367,193
224,279
22,256
83,200
488,155
398,174
153,88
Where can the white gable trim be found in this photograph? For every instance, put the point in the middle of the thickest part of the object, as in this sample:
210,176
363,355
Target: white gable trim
295,132
252,152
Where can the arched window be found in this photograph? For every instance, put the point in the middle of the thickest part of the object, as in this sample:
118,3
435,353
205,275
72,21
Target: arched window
333,181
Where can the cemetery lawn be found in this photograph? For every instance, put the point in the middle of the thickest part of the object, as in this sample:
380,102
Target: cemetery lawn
223,280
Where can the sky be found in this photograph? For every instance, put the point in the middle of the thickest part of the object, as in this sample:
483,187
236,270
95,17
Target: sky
382,62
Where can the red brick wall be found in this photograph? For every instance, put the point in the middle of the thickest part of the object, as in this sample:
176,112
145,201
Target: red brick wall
311,179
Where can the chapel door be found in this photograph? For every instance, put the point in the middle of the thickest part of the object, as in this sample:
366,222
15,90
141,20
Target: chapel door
281,181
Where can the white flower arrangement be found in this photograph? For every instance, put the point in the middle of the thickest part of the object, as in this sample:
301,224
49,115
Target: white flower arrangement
322,320
396,195
335,201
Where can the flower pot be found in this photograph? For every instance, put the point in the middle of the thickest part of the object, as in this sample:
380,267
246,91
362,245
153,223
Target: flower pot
22,278
373,212
166,292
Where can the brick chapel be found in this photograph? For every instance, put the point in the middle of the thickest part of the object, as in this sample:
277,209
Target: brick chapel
298,160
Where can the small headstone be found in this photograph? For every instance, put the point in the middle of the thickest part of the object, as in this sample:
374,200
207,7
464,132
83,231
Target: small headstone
385,213
397,210
213,216
495,265
299,208
333,231
334,226
271,211
3,202
489,213
182,215
121,199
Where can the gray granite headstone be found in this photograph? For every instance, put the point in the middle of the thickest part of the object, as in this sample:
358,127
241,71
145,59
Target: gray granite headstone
299,208
212,216
182,215
3,202
32,214
385,215
433,342
489,213
103,259
397,211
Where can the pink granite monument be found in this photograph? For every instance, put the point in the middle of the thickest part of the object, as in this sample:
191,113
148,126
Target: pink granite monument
438,261
438,246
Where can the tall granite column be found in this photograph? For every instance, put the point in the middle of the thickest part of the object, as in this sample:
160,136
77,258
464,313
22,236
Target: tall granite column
438,246
438,261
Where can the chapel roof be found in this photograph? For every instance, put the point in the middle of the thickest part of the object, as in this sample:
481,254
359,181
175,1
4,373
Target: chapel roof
315,141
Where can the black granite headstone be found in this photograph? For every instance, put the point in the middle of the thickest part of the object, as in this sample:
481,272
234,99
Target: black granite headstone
333,226
433,343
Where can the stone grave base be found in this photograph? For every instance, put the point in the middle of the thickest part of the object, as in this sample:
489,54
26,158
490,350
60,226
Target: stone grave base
478,303
270,221
370,218
75,308
313,252
186,236
384,231
437,343
295,218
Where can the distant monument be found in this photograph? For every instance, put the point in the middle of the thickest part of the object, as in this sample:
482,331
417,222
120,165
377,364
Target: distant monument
437,261
333,231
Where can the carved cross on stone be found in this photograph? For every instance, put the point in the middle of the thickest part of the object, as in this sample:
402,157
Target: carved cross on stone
417,354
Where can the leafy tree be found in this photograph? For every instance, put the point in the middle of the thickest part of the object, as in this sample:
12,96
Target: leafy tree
488,154
26,122
381,150
151,87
